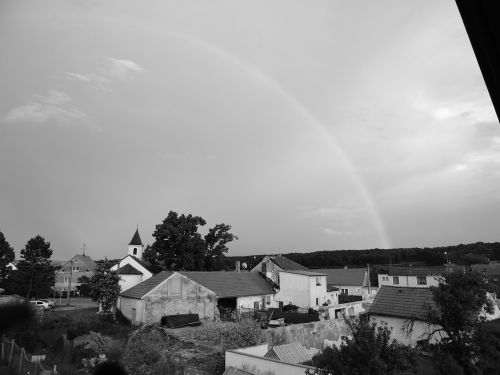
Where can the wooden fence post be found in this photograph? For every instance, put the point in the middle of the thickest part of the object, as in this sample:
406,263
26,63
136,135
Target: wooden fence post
11,350
21,361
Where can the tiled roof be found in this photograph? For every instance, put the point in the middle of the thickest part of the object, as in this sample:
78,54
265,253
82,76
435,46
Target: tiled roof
136,240
287,264
232,284
345,276
128,269
139,290
403,302
79,260
417,271
290,353
224,284
305,273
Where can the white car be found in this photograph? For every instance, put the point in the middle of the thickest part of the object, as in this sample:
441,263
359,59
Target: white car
51,303
41,304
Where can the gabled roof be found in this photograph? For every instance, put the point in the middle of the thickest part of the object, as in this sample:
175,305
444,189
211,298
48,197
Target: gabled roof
403,302
231,284
79,260
141,262
345,276
136,240
224,284
128,269
290,353
305,273
287,264
418,271
138,291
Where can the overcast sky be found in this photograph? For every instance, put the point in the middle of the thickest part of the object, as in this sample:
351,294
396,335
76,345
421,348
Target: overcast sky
304,125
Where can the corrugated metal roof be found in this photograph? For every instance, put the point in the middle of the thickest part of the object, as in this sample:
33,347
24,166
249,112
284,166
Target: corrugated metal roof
224,284
129,270
287,264
345,276
306,273
403,302
290,353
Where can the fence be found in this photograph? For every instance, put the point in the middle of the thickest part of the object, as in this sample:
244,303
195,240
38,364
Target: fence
22,362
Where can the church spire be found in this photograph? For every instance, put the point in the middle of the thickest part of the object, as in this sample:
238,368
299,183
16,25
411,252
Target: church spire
135,247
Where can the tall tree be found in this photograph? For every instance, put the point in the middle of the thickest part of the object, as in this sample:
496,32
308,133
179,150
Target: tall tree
178,245
104,286
7,255
216,240
35,276
369,351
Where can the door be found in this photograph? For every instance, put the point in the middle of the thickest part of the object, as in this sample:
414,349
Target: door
132,318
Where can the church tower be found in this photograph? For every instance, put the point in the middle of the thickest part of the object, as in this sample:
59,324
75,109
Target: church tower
135,246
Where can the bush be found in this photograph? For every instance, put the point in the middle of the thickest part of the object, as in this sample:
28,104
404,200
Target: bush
290,308
247,332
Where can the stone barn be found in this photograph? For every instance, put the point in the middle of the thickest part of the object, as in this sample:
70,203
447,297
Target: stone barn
166,293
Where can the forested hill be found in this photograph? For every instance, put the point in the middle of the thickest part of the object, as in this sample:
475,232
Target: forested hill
479,252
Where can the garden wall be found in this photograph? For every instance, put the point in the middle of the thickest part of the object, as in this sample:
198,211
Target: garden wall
311,335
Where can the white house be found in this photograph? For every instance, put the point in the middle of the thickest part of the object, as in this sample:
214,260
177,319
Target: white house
132,269
303,288
414,277
350,281
400,307
271,265
170,293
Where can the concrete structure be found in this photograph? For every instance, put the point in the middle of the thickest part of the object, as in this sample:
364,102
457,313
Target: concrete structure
271,266
78,266
252,360
302,288
413,277
132,269
169,293
351,281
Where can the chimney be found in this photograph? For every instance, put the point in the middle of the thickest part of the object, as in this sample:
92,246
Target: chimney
237,266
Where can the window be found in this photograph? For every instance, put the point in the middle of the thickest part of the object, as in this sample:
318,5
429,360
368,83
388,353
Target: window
264,268
135,251
76,268
317,301
318,280
421,280
395,280
65,279
344,291
385,278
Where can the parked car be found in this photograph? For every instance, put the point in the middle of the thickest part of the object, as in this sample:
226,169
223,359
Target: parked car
51,303
41,304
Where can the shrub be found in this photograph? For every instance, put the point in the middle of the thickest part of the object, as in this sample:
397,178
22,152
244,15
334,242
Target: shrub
247,332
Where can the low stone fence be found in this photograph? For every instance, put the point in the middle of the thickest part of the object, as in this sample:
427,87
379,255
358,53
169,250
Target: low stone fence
312,335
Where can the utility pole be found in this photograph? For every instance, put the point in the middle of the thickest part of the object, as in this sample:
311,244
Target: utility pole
69,283
369,282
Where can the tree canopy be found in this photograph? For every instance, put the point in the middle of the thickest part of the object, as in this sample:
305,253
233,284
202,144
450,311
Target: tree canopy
34,276
369,351
7,255
179,245
103,286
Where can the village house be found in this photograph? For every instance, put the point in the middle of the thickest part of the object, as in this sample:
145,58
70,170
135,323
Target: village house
349,281
132,269
302,288
404,307
415,277
67,277
491,271
202,293
271,265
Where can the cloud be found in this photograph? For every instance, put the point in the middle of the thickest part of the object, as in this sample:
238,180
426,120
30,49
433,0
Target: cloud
112,69
55,106
122,68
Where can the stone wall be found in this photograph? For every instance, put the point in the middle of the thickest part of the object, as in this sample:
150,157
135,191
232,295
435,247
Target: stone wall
311,335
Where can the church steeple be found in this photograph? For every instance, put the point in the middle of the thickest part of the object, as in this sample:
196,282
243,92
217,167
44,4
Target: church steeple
135,246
